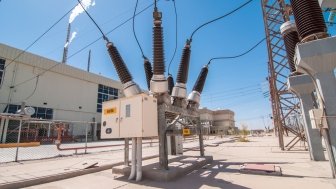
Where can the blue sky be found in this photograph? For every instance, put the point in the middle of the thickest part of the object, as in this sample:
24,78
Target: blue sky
231,84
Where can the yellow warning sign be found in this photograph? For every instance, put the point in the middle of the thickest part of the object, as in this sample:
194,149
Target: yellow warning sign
110,111
186,131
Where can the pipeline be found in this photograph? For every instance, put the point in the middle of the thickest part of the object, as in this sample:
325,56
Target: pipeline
58,145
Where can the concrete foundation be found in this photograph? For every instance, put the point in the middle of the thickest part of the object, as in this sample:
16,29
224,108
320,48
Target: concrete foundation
303,86
178,167
317,58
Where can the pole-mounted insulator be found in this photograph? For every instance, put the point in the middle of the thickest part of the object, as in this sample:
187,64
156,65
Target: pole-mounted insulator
182,74
148,72
170,80
291,39
309,19
158,50
158,82
180,90
130,88
199,85
195,96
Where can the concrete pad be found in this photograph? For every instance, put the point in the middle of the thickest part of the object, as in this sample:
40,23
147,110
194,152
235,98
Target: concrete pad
178,167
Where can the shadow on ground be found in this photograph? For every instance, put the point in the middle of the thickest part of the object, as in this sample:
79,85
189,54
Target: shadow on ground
204,177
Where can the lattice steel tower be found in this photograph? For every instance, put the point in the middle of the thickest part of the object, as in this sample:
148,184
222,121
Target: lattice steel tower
285,105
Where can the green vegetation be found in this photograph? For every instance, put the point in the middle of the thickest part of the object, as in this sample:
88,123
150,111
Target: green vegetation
243,133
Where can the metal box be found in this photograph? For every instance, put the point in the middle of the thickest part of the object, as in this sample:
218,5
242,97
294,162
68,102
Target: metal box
134,116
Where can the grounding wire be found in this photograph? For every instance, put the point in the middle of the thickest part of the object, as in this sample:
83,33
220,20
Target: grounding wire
43,34
134,33
115,28
171,60
214,20
237,56
87,13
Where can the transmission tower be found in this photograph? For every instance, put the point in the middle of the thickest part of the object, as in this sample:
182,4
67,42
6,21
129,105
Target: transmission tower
284,104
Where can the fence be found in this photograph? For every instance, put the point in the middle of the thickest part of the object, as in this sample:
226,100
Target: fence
23,138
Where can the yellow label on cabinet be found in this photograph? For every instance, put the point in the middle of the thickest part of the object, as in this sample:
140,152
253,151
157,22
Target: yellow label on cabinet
186,131
110,111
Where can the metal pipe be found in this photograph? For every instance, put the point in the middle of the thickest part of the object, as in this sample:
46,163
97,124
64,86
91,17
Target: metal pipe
18,141
126,152
86,137
91,147
132,175
139,159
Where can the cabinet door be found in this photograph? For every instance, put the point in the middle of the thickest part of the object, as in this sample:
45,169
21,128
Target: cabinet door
131,117
110,120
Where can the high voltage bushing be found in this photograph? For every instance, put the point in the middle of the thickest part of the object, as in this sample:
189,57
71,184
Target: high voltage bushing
199,85
158,82
148,72
309,19
182,74
170,80
195,95
119,63
179,89
291,38
130,88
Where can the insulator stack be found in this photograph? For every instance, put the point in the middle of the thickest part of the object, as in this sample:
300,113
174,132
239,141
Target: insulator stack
118,62
148,72
170,80
199,85
309,19
158,51
182,74
291,39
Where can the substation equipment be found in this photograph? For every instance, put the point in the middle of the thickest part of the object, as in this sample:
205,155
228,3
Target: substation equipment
164,112
311,54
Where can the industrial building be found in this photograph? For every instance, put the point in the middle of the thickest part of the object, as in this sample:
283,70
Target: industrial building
218,121
56,91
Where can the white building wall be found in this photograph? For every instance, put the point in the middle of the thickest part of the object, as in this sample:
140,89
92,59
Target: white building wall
70,92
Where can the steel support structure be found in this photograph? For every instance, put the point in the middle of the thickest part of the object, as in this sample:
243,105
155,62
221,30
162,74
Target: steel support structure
168,116
285,105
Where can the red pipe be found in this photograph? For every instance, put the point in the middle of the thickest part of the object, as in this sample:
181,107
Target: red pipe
92,147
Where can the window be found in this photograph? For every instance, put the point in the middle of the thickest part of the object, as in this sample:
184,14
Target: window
40,112
105,93
2,68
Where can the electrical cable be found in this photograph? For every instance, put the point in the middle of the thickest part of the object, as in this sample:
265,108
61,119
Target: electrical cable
35,41
171,60
87,13
134,33
214,20
237,56
115,28
36,83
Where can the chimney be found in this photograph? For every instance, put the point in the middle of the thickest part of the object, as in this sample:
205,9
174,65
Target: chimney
65,51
